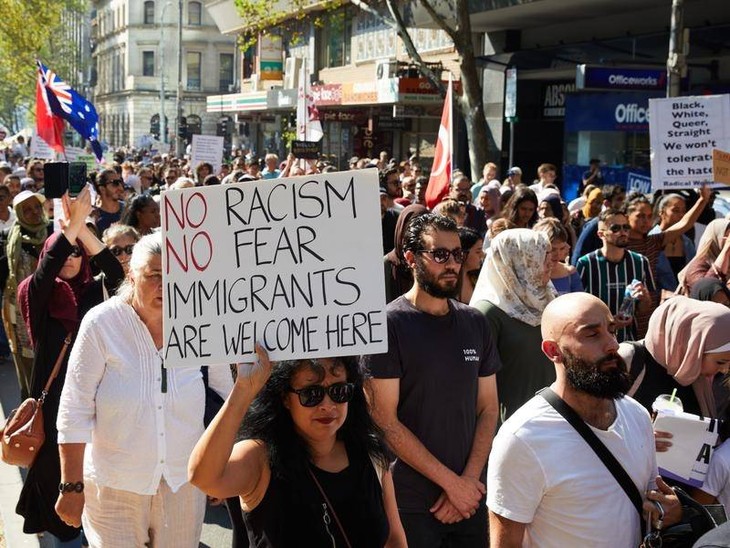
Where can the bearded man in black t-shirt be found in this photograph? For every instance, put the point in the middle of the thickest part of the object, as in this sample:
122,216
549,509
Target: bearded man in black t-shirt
435,396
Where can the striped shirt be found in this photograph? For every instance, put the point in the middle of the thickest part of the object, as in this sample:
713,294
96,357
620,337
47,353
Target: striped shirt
607,280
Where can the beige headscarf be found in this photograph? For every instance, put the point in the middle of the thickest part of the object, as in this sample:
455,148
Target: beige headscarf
512,275
710,244
681,331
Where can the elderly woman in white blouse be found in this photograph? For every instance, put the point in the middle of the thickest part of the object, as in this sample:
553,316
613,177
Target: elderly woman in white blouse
130,487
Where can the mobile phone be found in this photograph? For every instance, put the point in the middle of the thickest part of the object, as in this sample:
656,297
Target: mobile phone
59,177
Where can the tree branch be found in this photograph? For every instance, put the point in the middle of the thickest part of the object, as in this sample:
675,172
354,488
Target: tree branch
439,20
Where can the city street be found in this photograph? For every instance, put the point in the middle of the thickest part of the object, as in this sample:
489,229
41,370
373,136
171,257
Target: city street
216,528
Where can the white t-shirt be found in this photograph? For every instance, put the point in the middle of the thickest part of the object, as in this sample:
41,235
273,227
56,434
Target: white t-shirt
717,482
542,473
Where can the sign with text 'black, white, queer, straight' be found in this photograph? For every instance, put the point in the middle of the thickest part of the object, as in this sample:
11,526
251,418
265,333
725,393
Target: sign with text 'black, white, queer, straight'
293,264
684,131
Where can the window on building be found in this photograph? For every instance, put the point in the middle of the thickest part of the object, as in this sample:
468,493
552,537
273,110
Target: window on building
149,13
335,39
225,71
193,64
148,63
194,13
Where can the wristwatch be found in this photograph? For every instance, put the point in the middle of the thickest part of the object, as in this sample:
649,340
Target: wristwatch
71,487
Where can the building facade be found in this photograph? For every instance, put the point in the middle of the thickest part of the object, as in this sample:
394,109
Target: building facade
135,51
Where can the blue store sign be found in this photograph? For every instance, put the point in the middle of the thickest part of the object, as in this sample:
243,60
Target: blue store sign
608,111
617,78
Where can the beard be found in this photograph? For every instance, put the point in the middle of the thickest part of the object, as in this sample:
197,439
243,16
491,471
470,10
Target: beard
433,285
589,378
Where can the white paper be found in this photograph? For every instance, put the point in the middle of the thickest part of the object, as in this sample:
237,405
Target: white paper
207,148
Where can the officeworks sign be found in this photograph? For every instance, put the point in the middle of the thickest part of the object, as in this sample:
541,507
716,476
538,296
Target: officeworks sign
630,79
625,111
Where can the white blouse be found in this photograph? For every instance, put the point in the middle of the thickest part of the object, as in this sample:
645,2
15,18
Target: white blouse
113,400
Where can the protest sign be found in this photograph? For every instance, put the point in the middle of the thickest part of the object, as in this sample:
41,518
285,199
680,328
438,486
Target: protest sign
683,133
207,148
693,440
721,167
294,264
305,150
40,149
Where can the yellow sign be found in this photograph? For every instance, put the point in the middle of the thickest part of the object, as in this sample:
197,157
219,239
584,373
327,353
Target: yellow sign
720,166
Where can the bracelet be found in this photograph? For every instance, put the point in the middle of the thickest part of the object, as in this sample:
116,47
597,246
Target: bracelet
71,487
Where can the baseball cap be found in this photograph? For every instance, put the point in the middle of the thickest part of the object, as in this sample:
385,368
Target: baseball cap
514,171
25,195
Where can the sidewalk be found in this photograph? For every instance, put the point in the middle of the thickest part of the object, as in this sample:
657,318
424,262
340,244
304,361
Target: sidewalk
216,528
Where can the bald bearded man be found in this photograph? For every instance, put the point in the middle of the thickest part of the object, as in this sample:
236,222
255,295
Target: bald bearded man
547,487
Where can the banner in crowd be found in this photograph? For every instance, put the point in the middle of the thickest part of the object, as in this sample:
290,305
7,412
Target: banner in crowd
293,264
683,133
207,148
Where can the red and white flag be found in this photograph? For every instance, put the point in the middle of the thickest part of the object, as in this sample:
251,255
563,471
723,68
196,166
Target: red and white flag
309,128
440,181
49,127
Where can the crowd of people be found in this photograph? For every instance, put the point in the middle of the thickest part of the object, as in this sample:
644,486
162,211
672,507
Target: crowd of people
501,298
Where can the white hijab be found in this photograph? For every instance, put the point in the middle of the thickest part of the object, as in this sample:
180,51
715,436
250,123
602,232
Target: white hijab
512,275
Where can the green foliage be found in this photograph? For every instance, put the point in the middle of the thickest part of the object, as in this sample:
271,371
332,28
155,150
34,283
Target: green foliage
31,29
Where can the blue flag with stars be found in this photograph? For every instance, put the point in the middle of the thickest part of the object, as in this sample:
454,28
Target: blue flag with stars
65,102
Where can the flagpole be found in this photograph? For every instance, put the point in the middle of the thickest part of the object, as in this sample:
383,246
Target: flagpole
451,129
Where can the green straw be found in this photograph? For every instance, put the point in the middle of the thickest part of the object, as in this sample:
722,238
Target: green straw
674,393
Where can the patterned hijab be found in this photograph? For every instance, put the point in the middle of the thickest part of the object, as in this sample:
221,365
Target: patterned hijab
512,276
681,331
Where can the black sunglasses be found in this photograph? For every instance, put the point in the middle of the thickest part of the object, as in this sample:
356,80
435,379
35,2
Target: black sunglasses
116,250
115,182
310,396
75,251
619,228
441,255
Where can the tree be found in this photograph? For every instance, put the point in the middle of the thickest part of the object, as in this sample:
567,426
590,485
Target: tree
450,16
31,29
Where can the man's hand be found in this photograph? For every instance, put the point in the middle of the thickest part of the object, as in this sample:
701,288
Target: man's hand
641,293
665,496
444,511
69,507
466,494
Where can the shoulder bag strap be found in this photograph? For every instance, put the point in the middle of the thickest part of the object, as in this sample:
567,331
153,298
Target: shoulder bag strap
56,368
607,458
332,508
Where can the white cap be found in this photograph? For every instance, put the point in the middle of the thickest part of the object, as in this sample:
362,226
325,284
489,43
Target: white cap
25,194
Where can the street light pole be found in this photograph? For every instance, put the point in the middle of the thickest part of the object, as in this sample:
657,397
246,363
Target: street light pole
178,140
677,61
163,118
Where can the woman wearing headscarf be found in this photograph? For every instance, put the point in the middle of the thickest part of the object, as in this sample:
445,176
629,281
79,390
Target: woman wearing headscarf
25,240
512,291
53,300
712,259
398,277
686,345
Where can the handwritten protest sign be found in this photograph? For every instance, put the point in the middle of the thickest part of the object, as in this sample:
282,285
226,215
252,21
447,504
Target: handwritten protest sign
683,133
294,264
207,148
40,149
721,167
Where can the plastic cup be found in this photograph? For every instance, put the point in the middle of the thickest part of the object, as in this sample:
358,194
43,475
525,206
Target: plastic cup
664,403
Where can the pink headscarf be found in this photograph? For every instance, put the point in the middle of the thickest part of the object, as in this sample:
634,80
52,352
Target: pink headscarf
680,332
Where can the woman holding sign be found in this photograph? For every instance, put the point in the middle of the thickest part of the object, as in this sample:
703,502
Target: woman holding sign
312,470
143,419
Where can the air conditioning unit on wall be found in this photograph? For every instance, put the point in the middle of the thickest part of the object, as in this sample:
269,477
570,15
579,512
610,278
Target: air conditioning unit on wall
386,69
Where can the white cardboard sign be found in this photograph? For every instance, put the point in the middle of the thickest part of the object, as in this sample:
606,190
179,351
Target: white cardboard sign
40,149
207,148
294,264
683,132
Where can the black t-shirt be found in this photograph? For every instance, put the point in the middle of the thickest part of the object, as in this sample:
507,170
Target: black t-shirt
438,360
388,222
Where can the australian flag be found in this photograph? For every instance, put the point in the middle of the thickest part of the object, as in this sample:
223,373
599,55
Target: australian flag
65,102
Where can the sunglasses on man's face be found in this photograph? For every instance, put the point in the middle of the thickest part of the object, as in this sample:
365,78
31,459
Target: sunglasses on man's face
75,251
118,250
313,395
618,228
115,182
441,254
